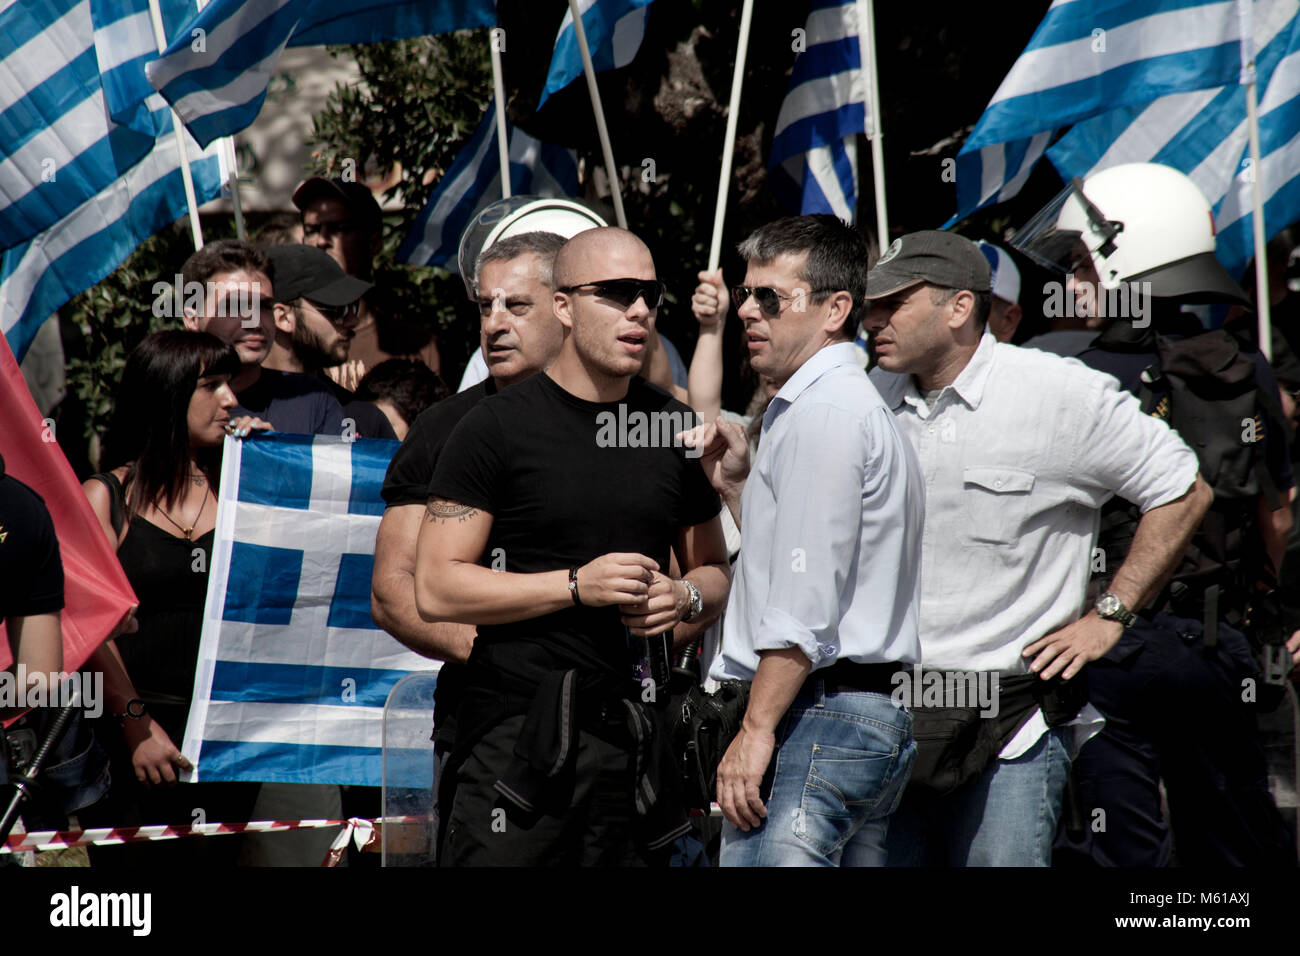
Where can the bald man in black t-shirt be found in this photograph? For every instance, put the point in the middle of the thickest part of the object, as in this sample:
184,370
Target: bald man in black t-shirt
551,518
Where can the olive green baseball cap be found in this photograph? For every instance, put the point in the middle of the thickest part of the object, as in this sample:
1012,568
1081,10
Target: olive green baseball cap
941,258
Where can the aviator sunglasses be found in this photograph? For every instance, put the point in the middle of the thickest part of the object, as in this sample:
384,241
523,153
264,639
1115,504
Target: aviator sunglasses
624,292
768,299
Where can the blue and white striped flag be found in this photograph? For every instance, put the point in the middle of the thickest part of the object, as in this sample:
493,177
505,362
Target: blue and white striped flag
39,276
814,160
614,31
124,45
67,130
217,78
293,673
1204,134
1089,57
474,180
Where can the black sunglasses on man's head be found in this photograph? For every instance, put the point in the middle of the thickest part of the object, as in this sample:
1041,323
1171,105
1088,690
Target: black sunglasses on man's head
624,292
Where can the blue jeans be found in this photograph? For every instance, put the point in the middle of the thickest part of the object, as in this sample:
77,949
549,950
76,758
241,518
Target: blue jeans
1004,817
841,763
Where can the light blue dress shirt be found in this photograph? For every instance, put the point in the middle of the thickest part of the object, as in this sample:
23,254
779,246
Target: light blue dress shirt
831,520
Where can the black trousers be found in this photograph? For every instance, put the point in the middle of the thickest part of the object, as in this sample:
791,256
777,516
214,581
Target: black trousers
1174,710
130,803
587,820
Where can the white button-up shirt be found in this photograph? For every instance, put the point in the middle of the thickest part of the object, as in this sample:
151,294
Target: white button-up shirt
831,517
1019,453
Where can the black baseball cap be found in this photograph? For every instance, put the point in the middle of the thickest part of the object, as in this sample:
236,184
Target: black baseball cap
356,196
305,272
941,258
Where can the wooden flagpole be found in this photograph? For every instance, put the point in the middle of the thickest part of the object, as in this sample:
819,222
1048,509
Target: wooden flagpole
729,143
608,151
196,230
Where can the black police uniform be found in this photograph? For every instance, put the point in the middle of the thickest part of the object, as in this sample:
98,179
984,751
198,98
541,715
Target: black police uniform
1174,705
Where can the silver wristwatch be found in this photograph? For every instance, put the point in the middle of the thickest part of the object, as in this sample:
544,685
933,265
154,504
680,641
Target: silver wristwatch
1112,608
696,602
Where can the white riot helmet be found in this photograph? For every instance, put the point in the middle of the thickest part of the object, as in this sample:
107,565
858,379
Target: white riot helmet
518,214
1139,222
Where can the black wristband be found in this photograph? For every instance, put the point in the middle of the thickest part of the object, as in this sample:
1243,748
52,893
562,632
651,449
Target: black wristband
573,586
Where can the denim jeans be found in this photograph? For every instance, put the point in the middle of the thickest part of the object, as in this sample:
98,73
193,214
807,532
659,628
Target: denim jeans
841,763
1006,816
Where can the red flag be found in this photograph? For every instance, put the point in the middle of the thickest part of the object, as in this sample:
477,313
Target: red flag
96,593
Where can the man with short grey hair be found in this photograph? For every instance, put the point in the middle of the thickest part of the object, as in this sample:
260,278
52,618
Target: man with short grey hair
515,288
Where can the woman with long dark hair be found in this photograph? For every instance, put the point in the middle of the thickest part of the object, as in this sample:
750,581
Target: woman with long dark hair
157,503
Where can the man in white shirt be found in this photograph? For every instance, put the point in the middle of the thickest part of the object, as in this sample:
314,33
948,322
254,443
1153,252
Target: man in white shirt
823,610
1019,449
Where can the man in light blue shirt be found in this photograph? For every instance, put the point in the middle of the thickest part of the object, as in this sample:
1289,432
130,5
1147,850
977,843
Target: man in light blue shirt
824,606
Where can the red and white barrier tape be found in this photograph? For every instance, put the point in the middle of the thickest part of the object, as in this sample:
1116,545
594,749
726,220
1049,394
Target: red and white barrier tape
365,832
362,830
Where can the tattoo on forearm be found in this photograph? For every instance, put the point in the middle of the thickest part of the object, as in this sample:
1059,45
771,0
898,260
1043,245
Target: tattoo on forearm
440,509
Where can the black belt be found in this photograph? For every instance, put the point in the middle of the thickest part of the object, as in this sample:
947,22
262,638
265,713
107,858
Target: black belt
850,675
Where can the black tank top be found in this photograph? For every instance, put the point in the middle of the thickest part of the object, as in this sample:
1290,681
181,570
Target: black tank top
170,577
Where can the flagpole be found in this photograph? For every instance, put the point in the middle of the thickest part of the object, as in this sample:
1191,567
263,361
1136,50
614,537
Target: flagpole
867,39
605,148
232,183
232,161
729,144
499,86
1246,30
1263,308
191,202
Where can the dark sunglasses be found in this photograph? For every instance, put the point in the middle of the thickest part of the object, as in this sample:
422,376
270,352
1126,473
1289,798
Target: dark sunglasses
337,313
329,228
624,292
768,299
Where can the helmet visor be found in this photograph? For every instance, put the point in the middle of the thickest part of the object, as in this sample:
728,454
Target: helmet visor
1065,233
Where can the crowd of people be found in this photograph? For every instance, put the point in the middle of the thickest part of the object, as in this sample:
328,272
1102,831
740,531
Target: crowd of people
975,603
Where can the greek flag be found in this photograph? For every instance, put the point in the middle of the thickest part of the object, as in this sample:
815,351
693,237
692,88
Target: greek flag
293,673
39,276
813,166
1089,57
474,180
216,70
614,31
1204,134
69,126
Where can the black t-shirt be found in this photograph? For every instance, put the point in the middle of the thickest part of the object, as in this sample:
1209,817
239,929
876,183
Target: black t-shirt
31,570
411,470
291,402
566,481
407,483
369,420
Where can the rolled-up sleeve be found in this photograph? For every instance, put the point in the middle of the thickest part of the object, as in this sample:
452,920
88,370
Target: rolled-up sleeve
1124,452
818,483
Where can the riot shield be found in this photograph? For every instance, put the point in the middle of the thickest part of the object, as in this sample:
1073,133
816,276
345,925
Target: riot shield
408,832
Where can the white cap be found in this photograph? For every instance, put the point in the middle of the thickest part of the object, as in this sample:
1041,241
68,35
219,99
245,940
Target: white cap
1006,277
